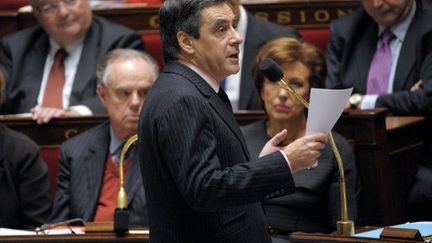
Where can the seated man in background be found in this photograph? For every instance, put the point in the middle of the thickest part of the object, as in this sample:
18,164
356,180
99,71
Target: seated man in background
384,51
88,180
255,33
315,206
50,69
24,187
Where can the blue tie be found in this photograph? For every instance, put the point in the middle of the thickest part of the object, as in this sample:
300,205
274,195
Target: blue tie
222,84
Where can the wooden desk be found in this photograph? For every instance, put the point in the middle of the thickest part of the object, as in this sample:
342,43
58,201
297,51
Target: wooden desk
299,237
86,238
314,14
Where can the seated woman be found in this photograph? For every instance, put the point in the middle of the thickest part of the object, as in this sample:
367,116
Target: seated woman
24,187
315,206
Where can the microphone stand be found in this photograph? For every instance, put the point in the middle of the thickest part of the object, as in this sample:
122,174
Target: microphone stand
344,226
121,214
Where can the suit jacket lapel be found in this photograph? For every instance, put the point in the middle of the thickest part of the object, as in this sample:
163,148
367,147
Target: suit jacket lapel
33,76
133,181
363,56
95,163
89,58
251,47
407,55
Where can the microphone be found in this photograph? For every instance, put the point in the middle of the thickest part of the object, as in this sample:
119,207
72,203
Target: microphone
69,222
121,213
274,73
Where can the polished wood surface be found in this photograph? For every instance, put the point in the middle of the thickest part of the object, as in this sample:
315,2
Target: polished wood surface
143,18
85,238
299,237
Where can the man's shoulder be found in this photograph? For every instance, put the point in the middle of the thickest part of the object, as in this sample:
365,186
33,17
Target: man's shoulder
352,20
88,136
111,28
28,35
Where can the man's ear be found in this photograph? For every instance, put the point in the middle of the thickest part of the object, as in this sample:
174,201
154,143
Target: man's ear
185,42
102,93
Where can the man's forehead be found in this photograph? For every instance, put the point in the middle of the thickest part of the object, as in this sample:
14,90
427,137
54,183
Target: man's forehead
216,13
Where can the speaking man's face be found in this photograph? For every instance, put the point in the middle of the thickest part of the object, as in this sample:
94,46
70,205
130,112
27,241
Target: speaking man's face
217,50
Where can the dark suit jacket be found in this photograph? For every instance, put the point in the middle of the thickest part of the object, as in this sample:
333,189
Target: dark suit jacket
353,44
23,55
199,185
258,33
24,186
315,206
82,165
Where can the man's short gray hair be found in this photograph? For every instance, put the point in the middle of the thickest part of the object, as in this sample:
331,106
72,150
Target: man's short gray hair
102,69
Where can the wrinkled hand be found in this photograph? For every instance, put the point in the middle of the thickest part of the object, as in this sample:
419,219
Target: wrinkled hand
416,86
272,145
44,114
304,152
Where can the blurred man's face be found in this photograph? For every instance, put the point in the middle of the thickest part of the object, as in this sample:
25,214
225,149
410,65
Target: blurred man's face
64,20
387,12
128,84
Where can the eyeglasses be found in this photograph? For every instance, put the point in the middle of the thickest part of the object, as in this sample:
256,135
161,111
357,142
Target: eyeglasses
52,8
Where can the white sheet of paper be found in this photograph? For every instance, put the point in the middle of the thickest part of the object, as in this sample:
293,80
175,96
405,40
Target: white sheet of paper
325,108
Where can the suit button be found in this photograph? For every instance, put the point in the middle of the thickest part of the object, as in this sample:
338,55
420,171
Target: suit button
282,191
277,193
267,196
272,194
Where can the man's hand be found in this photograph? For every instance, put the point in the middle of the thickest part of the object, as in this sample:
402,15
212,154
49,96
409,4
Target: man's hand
272,145
44,114
304,152
416,86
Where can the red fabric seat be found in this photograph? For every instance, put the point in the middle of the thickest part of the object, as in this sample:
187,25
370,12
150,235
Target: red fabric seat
318,37
12,4
51,157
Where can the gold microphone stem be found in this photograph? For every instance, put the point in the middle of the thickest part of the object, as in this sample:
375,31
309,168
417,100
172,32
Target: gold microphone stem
122,196
344,226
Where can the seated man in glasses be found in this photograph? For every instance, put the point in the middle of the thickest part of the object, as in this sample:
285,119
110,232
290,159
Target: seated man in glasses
50,69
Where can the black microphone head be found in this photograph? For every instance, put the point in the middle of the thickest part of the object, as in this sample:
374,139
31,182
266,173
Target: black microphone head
271,69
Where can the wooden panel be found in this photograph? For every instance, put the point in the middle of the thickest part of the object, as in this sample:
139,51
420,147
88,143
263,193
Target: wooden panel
296,13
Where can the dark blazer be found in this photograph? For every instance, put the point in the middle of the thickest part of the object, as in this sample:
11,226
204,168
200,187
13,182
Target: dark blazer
23,55
82,166
258,33
315,206
24,186
353,44
199,185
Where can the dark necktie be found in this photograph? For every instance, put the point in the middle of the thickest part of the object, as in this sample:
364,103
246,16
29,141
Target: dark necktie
56,78
223,84
379,71
224,98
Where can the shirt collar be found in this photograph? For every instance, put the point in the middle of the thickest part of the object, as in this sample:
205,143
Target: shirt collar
211,81
115,143
69,49
400,29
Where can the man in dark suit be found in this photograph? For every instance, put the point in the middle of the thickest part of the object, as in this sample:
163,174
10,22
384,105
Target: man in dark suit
255,32
88,181
24,188
26,59
354,40
199,184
